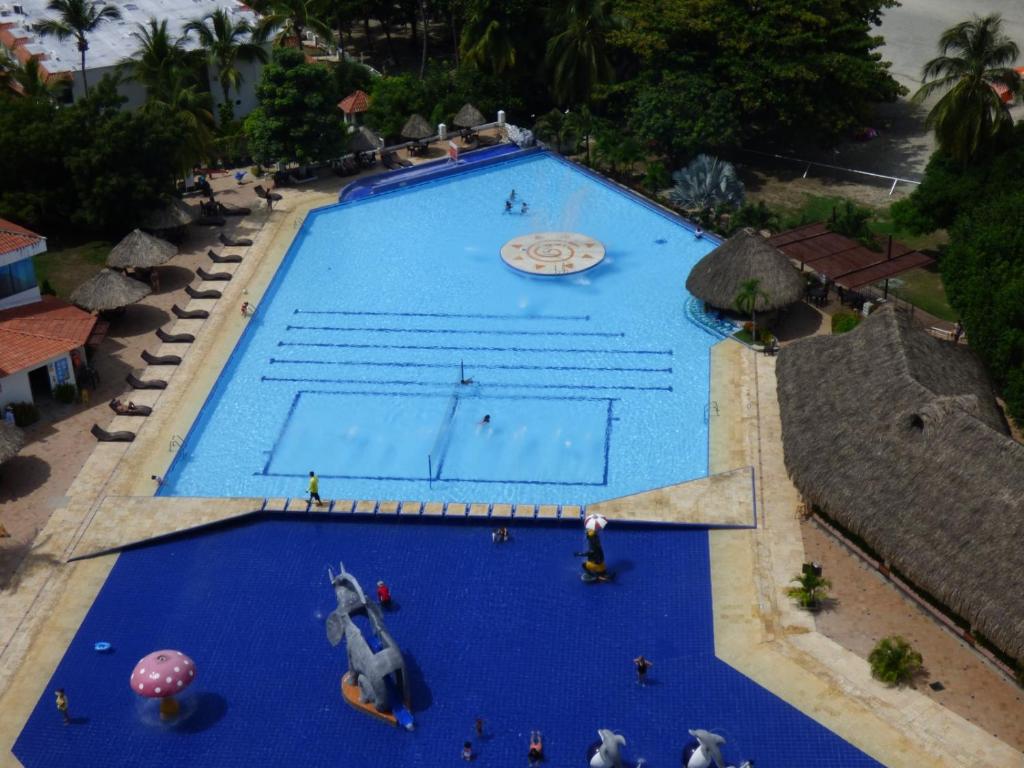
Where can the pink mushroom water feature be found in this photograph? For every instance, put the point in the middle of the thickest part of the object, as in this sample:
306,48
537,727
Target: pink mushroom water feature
162,675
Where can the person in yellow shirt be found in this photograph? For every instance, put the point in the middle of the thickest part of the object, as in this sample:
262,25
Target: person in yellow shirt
62,704
314,489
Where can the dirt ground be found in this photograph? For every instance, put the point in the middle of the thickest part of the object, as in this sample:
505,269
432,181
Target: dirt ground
34,482
865,608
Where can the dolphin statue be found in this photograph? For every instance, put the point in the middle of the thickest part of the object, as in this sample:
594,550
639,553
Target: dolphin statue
709,753
609,753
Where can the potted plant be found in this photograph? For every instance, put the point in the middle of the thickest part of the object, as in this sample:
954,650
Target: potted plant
811,588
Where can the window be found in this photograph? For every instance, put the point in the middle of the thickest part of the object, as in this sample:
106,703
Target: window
23,275
6,288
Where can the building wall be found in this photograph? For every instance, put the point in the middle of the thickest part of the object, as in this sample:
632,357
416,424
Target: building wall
16,388
17,281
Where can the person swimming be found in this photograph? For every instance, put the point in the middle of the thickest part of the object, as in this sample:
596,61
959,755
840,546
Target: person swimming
536,753
508,206
523,209
485,420
699,232
512,196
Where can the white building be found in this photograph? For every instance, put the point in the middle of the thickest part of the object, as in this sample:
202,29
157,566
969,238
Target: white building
113,42
42,339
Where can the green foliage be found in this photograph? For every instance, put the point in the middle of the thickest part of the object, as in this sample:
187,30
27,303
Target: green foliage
810,589
894,661
25,414
297,118
226,44
77,19
705,183
758,217
46,289
947,188
577,54
842,322
393,100
65,393
975,55
853,221
656,177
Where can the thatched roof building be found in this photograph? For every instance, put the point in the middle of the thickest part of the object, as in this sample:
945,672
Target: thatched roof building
173,214
897,437
109,290
140,251
416,128
718,278
363,140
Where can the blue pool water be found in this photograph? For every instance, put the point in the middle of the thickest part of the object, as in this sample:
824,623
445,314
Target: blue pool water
508,633
597,384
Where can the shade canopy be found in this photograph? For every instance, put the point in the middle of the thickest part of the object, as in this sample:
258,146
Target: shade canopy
11,441
469,117
173,214
416,128
897,437
140,251
363,140
162,674
357,101
595,522
719,277
109,290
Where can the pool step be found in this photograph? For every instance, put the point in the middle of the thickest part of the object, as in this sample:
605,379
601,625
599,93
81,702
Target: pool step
410,508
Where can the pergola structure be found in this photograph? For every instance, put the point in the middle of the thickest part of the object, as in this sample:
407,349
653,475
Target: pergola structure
845,261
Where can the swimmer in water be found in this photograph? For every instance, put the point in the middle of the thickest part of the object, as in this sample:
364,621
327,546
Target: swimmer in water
485,420
523,209
508,206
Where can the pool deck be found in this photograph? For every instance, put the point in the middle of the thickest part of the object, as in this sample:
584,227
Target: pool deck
758,630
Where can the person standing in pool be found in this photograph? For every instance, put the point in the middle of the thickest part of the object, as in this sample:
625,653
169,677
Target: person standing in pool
485,420
314,489
62,705
642,666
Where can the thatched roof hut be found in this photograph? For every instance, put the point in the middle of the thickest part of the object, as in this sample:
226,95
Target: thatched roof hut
718,278
363,140
109,290
469,117
173,214
416,128
11,440
897,437
138,250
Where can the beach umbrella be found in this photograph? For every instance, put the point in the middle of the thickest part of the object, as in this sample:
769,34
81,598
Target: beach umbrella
163,675
363,140
416,128
355,102
595,523
173,214
469,117
140,251
109,290
11,440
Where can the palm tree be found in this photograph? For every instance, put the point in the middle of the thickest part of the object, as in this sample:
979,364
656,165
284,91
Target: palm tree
578,55
706,183
894,661
77,18
291,17
28,78
811,588
581,122
487,40
975,56
157,61
190,107
226,44
746,302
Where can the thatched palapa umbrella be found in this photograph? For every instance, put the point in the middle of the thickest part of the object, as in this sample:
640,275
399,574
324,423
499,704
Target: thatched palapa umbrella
718,278
363,140
11,440
109,290
469,117
137,250
897,437
416,128
176,213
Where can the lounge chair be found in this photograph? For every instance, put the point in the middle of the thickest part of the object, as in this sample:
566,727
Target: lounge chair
111,437
189,314
209,293
241,242
174,338
263,194
138,383
212,221
232,210
213,276
388,160
232,258
130,409
293,179
160,359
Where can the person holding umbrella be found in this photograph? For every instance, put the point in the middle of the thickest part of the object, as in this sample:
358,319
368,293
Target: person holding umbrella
594,568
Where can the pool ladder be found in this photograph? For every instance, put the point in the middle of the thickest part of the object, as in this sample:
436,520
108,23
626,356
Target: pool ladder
174,444
711,409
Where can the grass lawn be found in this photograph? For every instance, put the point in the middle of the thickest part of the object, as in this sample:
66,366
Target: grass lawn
68,268
923,288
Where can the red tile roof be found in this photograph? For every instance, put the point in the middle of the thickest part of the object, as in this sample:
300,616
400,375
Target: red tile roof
34,333
13,237
357,101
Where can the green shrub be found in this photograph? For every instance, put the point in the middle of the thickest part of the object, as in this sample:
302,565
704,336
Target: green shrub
46,289
844,321
894,661
25,414
657,177
65,393
811,589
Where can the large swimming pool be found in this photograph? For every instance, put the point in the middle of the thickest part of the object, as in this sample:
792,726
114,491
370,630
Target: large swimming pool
595,383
